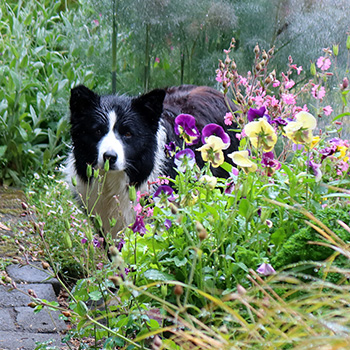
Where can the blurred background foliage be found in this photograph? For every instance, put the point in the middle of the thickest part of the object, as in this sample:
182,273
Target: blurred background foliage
47,47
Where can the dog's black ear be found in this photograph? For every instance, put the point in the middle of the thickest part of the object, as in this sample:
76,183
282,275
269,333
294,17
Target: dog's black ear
82,99
150,104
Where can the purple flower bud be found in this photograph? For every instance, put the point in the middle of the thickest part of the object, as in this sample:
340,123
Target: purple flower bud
167,223
266,269
139,226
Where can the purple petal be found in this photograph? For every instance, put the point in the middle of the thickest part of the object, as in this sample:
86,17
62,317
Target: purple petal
256,113
266,269
216,130
167,224
139,226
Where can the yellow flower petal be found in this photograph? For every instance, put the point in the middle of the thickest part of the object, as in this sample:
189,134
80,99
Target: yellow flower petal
300,130
261,134
241,159
307,119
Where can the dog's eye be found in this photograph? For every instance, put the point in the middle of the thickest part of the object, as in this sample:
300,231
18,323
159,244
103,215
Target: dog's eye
98,132
127,134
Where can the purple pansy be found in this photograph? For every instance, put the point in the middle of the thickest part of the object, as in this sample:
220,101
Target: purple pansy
266,269
185,127
269,161
216,130
316,170
328,151
170,149
185,158
97,242
164,191
255,113
139,226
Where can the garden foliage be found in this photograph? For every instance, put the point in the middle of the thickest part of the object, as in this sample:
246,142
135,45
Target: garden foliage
200,260
197,269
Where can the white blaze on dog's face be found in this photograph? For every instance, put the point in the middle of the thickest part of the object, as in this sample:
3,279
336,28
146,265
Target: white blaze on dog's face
111,147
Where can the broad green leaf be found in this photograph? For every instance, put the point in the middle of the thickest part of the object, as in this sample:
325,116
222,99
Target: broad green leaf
156,275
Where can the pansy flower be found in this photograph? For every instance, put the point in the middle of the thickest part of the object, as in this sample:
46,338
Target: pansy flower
254,113
216,130
185,127
268,161
241,158
211,151
261,134
170,149
316,170
184,159
300,130
164,192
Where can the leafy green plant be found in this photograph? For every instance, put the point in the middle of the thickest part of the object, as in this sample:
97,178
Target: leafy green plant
36,75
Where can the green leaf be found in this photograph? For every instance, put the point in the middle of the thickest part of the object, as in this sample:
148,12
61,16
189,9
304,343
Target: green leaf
179,262
340,116
96,295
156,275
2,150
82,309
244,207
278,237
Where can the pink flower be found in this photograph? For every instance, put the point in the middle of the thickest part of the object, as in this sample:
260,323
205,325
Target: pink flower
276,83
243,81
228,118
138,208
318,92
327,110
219,76
323,63
259,100
289,99
298,69
157,60
289,84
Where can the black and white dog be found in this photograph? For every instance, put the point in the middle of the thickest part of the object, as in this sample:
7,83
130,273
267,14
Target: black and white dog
132,133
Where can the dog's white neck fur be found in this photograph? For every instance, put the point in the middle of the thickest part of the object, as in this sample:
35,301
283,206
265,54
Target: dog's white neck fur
112,200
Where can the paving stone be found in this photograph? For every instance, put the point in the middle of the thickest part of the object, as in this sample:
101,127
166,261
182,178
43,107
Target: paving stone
40,322
7,321
26,340
31,274
12,297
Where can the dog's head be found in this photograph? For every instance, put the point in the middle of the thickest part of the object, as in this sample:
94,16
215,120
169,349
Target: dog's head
118,128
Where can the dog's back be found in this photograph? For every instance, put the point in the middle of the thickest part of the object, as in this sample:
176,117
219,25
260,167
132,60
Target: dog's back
207,105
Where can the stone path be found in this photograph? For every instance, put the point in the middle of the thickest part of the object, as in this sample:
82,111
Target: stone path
20,328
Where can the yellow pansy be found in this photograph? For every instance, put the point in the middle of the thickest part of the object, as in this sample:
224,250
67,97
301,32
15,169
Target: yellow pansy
300,130
212,151
241,159
261,134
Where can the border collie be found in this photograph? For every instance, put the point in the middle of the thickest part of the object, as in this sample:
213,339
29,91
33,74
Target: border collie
131,133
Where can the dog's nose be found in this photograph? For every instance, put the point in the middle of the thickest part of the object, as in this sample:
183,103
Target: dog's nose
111,156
